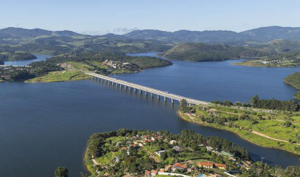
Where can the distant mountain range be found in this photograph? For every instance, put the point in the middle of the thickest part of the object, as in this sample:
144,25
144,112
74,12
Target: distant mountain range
264,34
259,35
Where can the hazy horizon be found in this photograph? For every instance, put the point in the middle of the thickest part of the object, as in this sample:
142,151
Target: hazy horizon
119,17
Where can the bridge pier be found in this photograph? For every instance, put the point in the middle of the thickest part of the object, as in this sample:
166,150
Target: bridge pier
159,94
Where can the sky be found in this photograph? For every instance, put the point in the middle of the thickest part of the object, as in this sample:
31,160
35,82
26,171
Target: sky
122,16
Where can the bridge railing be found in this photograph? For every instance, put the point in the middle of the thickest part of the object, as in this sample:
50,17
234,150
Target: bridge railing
148,89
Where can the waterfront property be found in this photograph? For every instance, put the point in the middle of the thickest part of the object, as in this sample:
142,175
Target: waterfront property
147,90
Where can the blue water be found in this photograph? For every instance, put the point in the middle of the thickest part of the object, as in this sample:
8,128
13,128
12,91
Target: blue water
210,81
27,62
46,125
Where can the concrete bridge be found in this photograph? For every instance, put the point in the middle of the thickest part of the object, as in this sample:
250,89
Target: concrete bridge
146,90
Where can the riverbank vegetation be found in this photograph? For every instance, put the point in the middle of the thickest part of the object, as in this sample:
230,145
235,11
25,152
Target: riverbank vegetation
269,128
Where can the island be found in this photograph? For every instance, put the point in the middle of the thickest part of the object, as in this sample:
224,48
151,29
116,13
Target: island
268,123
161,153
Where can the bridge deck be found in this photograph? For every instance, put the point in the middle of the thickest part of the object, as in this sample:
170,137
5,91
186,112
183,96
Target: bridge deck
148,89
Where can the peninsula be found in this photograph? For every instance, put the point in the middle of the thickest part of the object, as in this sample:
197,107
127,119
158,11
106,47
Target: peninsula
268,123
160,153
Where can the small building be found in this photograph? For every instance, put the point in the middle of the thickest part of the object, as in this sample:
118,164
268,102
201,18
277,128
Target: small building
223,153
154,172
179,166
220,166
209,149
173,142
159,153
106,175
177,148
147,173
205,164
168,167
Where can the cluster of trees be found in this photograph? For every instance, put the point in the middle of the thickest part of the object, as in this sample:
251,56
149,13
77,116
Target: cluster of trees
229,103
259,169
265,104
274,104
61,172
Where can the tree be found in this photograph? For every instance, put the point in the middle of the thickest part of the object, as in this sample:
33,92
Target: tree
254,100
183,105
61,172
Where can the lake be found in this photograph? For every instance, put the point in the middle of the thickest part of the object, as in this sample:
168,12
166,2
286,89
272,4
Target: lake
27,62
46,125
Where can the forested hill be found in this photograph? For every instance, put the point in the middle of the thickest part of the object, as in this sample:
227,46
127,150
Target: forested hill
210,52
264,34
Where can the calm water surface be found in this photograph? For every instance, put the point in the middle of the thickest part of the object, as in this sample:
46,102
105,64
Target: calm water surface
27,62
43,126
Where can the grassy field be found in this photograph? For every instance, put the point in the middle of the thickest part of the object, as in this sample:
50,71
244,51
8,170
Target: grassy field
60,76
278,129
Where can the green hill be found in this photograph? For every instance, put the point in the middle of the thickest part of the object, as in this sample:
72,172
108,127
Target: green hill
209,52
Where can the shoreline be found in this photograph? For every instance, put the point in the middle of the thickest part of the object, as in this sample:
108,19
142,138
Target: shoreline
179,113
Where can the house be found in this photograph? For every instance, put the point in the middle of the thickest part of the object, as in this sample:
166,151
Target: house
147,173
223,153
160,152
168,167
220,166
173,142
209,149
179,166
106,175
154,172
116,159
177,148
206,164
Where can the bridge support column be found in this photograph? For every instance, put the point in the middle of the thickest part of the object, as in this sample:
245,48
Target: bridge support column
141,92
165,99
146,94
158,97
172,101
151,94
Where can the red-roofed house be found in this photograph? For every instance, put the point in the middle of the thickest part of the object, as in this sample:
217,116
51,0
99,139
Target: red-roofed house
220,166
206,164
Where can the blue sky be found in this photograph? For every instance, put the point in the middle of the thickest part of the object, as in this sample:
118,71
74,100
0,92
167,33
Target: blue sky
120,16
